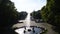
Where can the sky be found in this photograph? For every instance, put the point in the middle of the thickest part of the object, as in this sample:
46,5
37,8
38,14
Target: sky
29,5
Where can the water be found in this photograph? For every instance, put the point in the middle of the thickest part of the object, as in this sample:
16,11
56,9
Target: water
27,20
33,31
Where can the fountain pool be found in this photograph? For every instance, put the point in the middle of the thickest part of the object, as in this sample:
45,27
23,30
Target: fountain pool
31,30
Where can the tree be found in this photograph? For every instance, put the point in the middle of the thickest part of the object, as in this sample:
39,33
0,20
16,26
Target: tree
8,16
51,13
36,14
22,15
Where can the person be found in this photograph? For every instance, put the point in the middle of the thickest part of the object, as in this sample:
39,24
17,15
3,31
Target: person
33,30
25,29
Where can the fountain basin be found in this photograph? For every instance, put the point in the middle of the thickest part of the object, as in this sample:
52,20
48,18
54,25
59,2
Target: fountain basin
30,30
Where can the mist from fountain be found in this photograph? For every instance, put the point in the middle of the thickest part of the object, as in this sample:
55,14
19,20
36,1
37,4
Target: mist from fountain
27,20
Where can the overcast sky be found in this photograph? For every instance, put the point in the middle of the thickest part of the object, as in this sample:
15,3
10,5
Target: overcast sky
29,5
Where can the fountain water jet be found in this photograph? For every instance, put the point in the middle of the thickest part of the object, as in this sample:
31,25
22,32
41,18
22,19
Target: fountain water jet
27,20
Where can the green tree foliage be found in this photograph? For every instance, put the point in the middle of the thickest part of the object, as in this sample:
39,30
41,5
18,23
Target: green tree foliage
36,14
8,15
51,12
22,15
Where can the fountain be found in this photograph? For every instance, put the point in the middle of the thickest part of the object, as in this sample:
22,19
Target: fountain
27,20
28,29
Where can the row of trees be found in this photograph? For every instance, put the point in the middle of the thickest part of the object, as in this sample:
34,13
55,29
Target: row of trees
8,16
51,13
36,14
22,15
